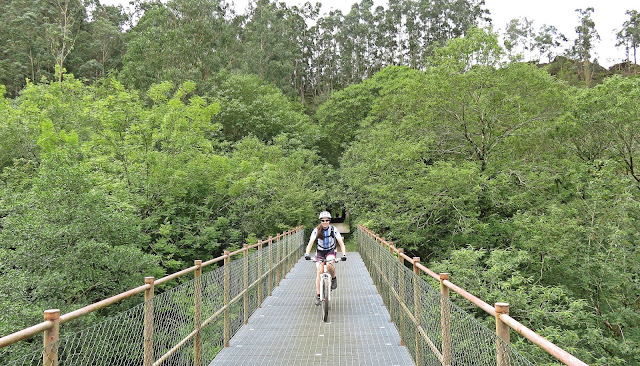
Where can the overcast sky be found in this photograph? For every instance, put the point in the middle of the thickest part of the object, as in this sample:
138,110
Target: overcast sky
608,16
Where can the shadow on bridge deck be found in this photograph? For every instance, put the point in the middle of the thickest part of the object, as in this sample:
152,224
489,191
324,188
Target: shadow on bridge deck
288,329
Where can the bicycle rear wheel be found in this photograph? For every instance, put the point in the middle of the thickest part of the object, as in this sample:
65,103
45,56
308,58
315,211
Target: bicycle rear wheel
326,287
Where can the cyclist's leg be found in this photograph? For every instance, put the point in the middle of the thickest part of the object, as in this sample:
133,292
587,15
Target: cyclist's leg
331,257
319,271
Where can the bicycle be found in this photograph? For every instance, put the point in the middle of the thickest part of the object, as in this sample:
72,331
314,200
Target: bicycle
325,287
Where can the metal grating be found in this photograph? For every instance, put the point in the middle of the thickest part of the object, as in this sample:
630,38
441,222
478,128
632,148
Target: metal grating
288,329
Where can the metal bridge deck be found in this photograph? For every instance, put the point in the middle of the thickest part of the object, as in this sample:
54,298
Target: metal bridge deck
288,329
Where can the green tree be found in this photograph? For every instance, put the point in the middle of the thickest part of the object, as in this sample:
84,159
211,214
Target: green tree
67,233
608,112
182,40
479,110
284,185
479,47
585,242
18,138
251,106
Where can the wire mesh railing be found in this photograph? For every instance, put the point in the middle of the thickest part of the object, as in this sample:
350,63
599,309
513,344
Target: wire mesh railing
186,325
435,330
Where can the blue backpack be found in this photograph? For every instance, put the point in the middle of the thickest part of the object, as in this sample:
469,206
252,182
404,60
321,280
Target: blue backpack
329,242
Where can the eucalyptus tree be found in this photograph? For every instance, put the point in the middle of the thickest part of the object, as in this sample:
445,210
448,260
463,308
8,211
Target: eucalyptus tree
381,51
83,38
629,35
444,20
395,32
24,53
356,42
585,42
303,66
547,40
352,46
101,43
519,36
324,65
273,40
63,19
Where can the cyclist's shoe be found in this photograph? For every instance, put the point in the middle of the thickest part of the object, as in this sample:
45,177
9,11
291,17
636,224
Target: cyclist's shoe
307,256
334,283
318,302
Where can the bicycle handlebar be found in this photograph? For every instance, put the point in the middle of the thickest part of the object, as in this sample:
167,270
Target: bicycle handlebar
335,260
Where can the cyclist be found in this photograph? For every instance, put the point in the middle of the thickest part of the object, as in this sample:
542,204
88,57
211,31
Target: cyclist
326,236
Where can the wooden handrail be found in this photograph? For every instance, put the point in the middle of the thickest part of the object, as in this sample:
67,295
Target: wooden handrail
555,351
473,299
101,304
25,333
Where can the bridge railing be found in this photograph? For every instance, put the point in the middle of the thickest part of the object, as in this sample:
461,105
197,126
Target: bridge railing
186,325
435,331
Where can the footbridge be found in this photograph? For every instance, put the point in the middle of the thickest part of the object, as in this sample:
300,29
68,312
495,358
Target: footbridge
255,306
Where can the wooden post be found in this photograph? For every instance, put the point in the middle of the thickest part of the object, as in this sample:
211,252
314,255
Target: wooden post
285,258
417,307
289,251
445,321
269,266
401,318
283,252
502,330
278,259
260,273
245,304
227,322
51,338
148,322
387,278
378,249
197,314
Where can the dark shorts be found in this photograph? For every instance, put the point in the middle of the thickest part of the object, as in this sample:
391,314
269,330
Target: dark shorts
326,255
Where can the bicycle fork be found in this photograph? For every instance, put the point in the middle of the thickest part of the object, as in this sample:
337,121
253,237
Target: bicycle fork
325,280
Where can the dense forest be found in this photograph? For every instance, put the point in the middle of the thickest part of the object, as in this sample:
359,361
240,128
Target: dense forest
134,143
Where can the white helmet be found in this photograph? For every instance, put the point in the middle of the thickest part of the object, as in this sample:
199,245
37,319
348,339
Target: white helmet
324,215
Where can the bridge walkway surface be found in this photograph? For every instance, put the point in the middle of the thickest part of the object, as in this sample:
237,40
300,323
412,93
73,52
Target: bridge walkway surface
288,329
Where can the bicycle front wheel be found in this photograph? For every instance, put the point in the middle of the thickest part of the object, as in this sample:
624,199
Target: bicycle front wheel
326,287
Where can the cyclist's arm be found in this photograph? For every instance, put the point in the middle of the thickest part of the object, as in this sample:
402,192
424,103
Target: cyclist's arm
311,241
340,241
341,245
